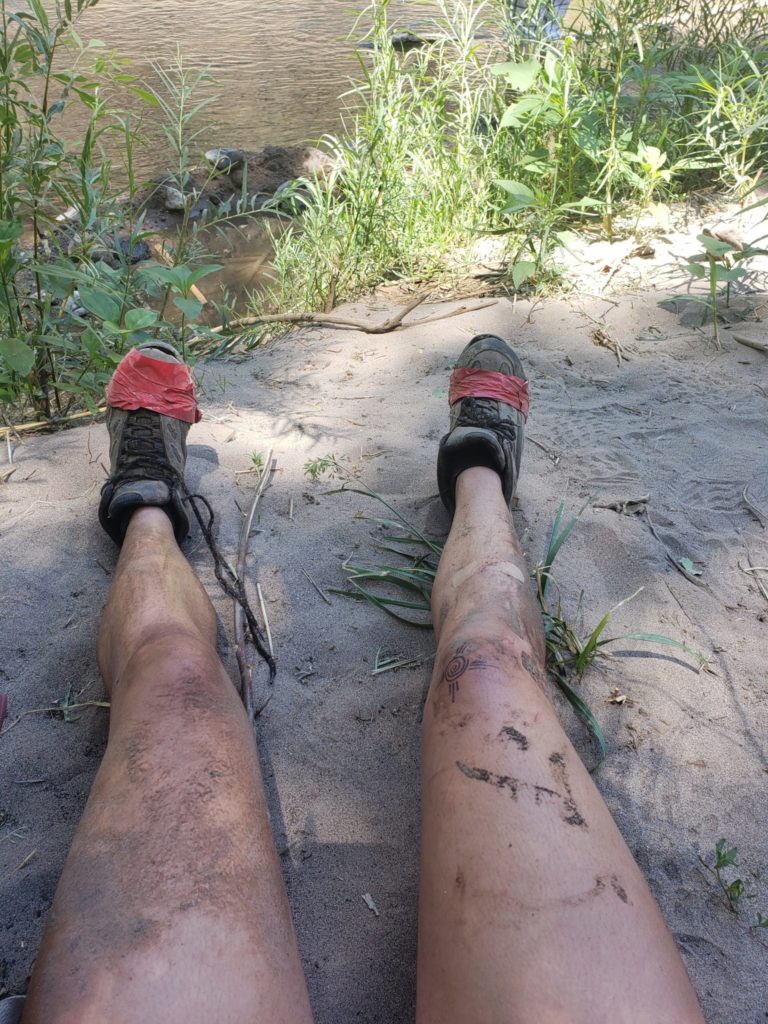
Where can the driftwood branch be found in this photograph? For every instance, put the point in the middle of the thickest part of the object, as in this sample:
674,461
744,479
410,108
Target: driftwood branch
246,673
393,323
51,424
758,346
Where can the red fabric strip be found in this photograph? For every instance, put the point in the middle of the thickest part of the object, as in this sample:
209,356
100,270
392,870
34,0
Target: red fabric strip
501,387
141,382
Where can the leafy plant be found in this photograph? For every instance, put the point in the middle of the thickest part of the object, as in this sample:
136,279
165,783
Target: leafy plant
327,465
568,654
76,287
734,891
723,266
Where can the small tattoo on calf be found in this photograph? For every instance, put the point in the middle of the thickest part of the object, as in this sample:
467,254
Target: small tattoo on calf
456,668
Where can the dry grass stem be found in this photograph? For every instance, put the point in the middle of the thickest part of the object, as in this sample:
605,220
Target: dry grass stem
246,672
317,587
264,615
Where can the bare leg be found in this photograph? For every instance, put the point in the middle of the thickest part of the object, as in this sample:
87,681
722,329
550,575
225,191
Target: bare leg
171,906
532,908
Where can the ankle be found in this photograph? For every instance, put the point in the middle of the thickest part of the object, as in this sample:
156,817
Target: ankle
150,518
477,478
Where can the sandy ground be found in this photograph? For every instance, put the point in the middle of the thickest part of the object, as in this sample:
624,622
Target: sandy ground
678,421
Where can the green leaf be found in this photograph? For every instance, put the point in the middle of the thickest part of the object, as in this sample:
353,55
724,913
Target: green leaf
714,246
697,270
689,567
139,319
162,275
729,273
522,270
17,355
519,76
10,230
725,858
198,273
100,304
520,195
189,307
524,110
147,96
585,714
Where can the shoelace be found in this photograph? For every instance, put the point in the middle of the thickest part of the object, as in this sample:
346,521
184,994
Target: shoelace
480,412
232,585
146,453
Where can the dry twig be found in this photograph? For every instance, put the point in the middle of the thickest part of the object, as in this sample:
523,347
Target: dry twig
246,673
758,346
393,323
317,588
51,424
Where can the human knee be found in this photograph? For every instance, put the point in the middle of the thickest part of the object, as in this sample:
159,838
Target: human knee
173,653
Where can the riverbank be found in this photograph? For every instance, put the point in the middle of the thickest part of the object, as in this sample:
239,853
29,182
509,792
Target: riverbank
340,745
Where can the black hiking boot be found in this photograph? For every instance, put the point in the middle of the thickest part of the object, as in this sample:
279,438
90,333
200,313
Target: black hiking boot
484,431
147,454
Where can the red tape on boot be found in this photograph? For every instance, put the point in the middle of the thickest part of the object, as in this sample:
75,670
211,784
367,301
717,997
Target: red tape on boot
141,382
501,387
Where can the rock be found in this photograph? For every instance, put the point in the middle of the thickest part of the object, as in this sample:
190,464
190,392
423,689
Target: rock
726,234
139,252
225,160
171,197
405,41
268,170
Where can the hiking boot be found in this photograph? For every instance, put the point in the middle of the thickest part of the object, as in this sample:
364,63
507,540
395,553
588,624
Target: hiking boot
148,448
489,404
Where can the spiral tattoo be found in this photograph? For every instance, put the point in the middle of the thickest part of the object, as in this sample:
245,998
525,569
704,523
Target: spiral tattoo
455,668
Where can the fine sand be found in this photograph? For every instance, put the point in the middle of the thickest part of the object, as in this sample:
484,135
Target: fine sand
678,421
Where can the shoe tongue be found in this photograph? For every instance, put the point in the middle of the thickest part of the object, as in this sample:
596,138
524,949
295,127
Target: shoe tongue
135,493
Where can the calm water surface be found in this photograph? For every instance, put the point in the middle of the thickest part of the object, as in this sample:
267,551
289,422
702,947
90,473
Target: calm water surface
280,67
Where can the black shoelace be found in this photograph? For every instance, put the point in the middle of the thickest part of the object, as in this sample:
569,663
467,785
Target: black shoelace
232,585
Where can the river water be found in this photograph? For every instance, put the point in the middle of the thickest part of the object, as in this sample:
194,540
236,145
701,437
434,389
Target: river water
280,66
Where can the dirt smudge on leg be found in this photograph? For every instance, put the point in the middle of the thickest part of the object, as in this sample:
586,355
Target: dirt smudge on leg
532,669
510,733
571,815
620,891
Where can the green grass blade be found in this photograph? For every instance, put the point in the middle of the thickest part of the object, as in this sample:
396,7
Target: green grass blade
664,641
585,714
386,605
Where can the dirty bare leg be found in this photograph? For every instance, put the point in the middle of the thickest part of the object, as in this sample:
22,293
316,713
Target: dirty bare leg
531,907
171,906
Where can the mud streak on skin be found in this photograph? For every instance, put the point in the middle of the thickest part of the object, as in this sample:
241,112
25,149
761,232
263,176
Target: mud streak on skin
570,813
560,775
510,733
